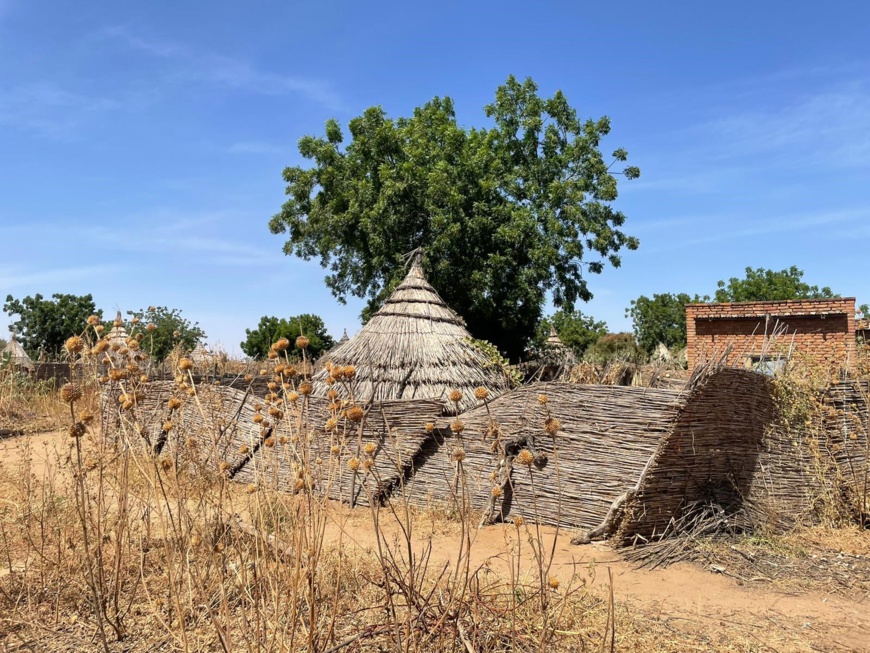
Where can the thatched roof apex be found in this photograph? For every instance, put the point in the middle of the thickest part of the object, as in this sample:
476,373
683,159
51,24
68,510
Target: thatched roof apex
415,346
16,353
118,334
553,340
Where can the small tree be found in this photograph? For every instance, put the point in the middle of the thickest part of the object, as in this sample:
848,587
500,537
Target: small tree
270,329
576,330
47,323
660,319
614,346
761,285
164,329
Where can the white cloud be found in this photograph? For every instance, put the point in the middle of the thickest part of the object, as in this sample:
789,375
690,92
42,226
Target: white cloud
201,66
50,110
11,278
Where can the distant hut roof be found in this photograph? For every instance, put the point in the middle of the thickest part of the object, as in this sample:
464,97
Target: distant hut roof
200,354
344,338
17,356
415,346
553,340
118,334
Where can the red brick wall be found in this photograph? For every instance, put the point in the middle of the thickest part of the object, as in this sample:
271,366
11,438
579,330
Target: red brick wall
822,328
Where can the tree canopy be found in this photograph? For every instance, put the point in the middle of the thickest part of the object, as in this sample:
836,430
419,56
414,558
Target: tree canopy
505,214
270,329
660,319
576,330
761,285
164,329
47,323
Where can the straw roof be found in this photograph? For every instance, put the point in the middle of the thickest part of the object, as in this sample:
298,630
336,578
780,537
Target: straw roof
415,346
200,355
553,340
118,334
17,356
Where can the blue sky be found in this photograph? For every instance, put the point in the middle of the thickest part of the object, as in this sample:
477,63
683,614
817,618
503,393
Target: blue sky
141,144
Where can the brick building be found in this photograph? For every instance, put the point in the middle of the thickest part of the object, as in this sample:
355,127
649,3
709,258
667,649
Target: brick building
822,328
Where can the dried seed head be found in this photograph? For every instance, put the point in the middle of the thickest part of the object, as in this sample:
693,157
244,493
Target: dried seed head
100,346
173,403
122,351
166,464
104,379
553,582
272,386
543,399
283,439
94,320
302,342
305,388
224,466
293,397
279,369
281,344
69,392
497,492
332,394
335,450
552,425
353,464
251,489
135,320
77,430
269,442
151,327
244,449
455,396
99,328
258,418
191,392
275,412
272,354
525,457
519,521
143,378
248,378
349,371
367,464
430,427
481,393
185,364
290,371
74,345
264,372
117,374
457,426
167,426
331,424
370,448
118,322
128,405
355,414
459,454
86,417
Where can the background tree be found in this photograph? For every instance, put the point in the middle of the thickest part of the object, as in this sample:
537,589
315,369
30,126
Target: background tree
505,214
270,329
661,318
614,346
761,285
48,323
170,329
577,331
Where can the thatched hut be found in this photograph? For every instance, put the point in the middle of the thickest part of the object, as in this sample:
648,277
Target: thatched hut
118,335
16,355
415,347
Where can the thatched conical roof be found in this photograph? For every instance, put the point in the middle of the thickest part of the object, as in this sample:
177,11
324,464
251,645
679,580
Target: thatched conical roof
17,356
200,355
415,347
118,334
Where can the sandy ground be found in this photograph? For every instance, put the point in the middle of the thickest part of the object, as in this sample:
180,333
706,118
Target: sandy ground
686,596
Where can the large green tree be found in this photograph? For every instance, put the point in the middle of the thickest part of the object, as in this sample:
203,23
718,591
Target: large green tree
270,329
165,328
660,319
504,213
47,323
576,330
761,285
